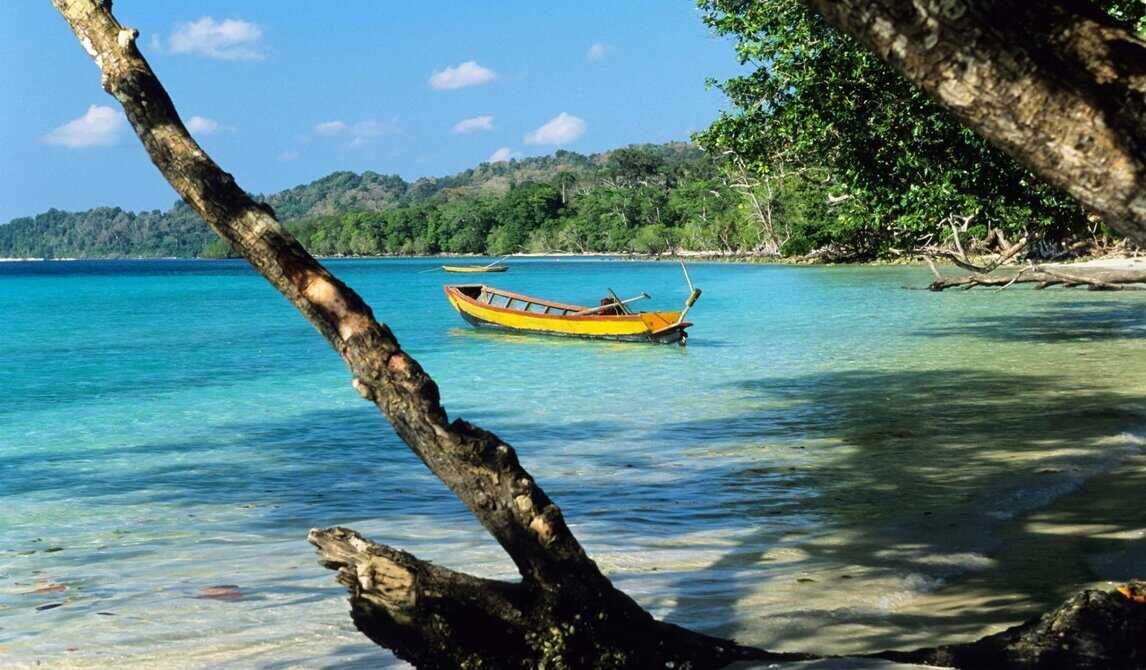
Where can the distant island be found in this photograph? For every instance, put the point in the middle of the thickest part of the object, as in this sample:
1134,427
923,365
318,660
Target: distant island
642,199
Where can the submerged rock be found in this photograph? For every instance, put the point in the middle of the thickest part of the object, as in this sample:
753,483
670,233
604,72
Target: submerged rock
220,592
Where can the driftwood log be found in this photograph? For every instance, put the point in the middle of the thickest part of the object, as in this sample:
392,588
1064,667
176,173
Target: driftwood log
1093,630
1042,276
563,613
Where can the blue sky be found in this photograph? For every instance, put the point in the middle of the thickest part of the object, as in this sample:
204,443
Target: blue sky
285,97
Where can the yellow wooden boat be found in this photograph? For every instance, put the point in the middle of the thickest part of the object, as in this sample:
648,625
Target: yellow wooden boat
488,307
475,268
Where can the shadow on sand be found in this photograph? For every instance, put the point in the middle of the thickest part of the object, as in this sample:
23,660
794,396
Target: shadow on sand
974,492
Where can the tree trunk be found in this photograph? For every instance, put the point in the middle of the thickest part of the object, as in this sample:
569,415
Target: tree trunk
1057,84
564,613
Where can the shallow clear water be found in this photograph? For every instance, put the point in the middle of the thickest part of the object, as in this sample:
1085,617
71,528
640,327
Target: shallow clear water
834,463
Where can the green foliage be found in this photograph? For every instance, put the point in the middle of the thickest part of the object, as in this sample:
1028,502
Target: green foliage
647,198
217,248
105,232
1131,12
655,238
895,163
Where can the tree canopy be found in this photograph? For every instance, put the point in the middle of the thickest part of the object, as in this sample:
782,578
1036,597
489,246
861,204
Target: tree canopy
853,132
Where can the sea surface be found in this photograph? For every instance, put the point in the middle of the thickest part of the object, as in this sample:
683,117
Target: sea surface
836,462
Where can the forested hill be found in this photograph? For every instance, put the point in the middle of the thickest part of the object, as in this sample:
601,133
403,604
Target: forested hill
643,198
348,205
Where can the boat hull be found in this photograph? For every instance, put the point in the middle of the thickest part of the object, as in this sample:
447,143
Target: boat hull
654,327
474,268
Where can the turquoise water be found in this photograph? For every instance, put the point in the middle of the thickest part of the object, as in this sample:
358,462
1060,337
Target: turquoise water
834,463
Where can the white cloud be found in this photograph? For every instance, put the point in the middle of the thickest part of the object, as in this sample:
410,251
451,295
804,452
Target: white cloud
502,155
468,73
229,39
374,128
100,126
473,125
201,125
597,52
288,156
561,129
360,133
330,127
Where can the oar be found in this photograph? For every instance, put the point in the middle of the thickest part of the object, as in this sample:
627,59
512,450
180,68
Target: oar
598,308
686,277
617,300
496,262
693,294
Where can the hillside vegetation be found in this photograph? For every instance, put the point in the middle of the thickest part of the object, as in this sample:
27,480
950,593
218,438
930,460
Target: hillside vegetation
647,199
541,203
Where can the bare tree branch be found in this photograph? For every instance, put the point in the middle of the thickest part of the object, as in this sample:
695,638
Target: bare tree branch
504,497
961,259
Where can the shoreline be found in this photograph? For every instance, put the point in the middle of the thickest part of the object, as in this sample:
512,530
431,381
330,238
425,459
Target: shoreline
1125,262
1122,262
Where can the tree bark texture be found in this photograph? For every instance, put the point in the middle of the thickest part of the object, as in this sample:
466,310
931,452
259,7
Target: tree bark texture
1057,84
564,613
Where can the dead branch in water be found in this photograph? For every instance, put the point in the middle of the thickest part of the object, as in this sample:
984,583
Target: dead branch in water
959,256
1044,276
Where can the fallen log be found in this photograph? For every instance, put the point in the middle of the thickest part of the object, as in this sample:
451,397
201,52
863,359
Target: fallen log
563,613
1044,276
437,618
959,255
1093,630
